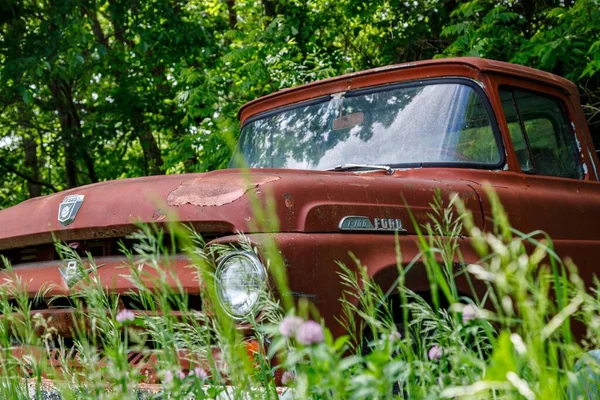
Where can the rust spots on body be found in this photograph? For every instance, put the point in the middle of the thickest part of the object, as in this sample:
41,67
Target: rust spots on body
159,214
364,185
289,200
215,191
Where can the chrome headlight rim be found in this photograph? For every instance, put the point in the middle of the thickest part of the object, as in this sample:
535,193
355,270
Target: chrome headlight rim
258,267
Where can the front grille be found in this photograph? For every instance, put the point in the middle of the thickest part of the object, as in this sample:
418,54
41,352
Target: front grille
95,248
40,271
38,304
34,304
47,252
146,362
193,301
127,302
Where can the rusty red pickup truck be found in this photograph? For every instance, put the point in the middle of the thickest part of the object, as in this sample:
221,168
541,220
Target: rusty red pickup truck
344,160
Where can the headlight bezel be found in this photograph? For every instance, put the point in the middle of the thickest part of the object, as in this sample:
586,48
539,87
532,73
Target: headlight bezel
259,269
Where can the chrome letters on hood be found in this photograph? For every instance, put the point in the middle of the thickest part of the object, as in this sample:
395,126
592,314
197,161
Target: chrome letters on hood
361,224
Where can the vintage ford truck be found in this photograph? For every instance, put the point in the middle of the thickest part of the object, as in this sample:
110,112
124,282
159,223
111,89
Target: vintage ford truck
344,159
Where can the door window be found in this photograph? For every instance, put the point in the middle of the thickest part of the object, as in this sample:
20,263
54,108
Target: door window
542,137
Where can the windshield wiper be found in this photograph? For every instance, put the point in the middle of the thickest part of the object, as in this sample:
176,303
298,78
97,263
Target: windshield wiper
349,167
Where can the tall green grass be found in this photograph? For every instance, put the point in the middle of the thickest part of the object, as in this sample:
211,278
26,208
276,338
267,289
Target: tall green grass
513,340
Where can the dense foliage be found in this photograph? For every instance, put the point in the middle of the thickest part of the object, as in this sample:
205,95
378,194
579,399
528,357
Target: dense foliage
92,90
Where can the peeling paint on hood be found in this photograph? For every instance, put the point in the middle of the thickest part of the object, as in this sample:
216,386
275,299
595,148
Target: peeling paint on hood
209,191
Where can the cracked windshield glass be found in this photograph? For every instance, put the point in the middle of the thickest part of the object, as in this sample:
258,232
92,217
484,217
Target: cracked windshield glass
416,125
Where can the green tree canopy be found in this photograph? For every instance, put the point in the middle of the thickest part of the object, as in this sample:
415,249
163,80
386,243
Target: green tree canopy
98,90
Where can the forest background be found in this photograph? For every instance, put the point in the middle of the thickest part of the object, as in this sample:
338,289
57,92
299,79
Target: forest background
99,90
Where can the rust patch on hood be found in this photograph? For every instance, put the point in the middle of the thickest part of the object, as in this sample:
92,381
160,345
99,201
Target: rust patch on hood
216,191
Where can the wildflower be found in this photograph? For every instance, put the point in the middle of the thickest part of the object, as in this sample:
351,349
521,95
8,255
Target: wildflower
288,378
435,353
289,326
199,373
181,375
168,377
125,316
310,333
469,313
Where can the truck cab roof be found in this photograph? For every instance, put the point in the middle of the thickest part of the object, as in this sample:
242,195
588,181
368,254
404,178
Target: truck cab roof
471,67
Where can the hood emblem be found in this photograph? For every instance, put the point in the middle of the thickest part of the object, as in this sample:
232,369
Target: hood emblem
355,223
67,210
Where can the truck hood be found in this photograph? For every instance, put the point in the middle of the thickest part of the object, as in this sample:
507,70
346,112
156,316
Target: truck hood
221,202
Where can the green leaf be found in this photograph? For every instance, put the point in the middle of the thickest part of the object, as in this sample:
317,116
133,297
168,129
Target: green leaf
340,342
27,98
349,362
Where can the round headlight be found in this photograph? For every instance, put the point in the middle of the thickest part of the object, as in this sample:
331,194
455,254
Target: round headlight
240,281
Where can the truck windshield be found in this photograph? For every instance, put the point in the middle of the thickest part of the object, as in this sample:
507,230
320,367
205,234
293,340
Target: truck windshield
424,124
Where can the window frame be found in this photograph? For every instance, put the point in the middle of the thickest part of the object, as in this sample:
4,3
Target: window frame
566,113
473,84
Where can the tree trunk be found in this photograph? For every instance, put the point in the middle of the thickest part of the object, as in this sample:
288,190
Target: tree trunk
32,165
270,8
232,13
71,132
66,124
150,147
141,129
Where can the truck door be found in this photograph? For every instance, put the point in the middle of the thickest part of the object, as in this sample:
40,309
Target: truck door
554,190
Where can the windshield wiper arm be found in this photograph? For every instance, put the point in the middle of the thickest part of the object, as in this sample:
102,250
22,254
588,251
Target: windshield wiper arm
348,167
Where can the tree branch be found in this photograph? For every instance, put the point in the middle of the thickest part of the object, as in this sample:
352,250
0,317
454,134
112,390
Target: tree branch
27,177
96,27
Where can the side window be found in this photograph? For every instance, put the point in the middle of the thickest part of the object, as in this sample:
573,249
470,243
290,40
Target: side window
543,140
